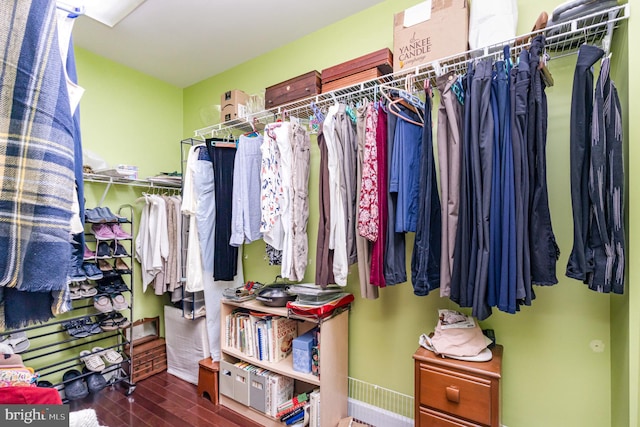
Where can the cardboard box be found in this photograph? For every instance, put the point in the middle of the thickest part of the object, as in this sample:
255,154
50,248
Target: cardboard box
258,389
233,105
428,31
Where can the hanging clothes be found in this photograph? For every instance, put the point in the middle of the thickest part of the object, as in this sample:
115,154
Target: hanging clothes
465,250
449,137
379,246
405,164
225,260
520,82
606,239
395,270
502,250
364,168
324,254
580,154
300,170
425,260
245,218
544,249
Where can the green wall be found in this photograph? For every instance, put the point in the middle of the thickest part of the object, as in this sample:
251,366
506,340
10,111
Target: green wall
128,118
551,375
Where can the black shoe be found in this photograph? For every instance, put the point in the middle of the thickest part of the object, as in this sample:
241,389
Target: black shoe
74,387
95,381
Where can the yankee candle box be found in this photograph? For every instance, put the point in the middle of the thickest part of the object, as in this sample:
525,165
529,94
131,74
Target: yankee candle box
430,30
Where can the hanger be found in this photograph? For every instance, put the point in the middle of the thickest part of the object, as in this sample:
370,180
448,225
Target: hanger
253,132
73,11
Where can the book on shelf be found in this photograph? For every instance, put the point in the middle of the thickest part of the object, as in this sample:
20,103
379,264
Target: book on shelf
314,408
281,390
294,416
285,330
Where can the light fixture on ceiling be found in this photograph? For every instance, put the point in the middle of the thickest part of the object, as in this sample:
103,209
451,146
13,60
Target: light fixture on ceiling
107,12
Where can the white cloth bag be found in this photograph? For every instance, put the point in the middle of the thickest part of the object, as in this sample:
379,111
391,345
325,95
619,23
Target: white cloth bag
492,22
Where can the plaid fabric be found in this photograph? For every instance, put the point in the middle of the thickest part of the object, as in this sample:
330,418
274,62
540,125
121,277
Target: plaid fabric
36,150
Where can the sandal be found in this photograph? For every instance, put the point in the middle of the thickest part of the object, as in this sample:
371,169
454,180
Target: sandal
102,303
92,361
119,302
74,291
107,322
110,355
76,329
121,321
122,267
87,290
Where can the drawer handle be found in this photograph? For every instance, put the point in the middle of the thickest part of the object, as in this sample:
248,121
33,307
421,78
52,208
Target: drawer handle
453,394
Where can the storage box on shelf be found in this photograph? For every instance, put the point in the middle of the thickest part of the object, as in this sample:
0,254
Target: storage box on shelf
237,366
293,89
363,68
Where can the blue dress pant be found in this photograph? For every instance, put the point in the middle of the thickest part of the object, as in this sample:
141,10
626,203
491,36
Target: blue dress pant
395,270
425,260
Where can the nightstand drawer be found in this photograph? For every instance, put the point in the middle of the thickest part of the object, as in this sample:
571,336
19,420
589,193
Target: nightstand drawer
456,393
437,419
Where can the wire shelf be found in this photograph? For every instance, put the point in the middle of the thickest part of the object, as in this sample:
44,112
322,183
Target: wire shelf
562,39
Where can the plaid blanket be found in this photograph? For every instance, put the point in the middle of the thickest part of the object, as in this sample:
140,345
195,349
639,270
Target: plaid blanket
36,150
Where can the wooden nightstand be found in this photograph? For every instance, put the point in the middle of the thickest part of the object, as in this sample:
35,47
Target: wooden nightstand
451,392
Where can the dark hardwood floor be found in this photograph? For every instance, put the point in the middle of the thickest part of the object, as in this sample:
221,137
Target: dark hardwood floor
158,401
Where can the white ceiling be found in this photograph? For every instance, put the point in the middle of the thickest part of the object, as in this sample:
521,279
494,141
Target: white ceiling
183,42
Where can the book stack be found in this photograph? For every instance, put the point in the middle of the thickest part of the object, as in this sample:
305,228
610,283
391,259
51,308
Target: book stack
292,411
267,338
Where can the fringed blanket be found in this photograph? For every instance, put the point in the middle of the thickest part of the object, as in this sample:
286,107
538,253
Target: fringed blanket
36,150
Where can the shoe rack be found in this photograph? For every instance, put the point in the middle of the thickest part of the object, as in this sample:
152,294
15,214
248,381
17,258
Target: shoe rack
86,336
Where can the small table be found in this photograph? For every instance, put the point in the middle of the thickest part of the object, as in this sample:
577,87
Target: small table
208,379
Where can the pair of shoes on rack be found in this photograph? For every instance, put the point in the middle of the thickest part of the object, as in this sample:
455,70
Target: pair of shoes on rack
88,254
106,269
101,215
198,313
106,304
91,271
75,387
112,285
93,359
82,290
18,341
111,250
109,232
113,321
81,328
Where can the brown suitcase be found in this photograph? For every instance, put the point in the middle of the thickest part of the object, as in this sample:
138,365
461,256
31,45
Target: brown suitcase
381,59
293,89
353,79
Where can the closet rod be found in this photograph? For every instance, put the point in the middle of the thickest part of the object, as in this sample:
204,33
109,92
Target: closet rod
561,40
144,183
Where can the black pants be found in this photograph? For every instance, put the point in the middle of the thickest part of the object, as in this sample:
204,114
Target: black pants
580,145
543,247
225,260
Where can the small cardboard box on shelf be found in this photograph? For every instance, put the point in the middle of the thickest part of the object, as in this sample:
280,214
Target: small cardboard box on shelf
431,30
